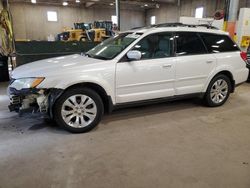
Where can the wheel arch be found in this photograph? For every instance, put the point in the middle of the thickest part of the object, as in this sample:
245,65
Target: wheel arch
226,73
106,99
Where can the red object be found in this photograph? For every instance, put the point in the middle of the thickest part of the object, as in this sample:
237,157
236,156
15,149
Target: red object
219,14
243,56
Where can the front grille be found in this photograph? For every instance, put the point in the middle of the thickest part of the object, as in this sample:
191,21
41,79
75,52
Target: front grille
15,99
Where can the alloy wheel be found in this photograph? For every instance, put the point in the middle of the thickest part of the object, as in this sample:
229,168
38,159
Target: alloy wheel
219,91
79,111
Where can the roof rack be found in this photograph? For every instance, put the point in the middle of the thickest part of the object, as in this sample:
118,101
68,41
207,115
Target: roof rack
184,25
177,24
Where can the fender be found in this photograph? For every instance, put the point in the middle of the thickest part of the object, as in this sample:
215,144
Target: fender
86,79
215,72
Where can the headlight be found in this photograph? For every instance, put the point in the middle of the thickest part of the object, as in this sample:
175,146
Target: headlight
25,83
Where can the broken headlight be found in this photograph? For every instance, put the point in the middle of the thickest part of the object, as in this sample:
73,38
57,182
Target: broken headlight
26,83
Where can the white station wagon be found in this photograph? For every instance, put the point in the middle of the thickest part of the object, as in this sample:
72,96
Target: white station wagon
163,62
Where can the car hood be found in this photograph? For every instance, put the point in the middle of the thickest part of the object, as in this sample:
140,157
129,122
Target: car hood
55,66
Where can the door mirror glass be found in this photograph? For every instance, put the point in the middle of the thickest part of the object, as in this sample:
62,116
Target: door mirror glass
134,55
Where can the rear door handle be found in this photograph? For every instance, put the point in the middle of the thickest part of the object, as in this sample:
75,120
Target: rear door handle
166,66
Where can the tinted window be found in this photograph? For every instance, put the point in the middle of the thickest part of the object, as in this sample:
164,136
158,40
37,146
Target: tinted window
218,43
158,45
111,47
189,44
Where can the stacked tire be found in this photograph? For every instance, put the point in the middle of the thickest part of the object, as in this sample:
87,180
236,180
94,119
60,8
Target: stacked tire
4,72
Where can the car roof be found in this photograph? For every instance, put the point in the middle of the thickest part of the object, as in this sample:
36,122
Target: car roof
184,28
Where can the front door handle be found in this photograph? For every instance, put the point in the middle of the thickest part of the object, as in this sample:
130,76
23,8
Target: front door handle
167,66
209,61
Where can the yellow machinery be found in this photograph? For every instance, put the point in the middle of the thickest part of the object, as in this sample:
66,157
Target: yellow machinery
102,30
79,33
85,32
245,41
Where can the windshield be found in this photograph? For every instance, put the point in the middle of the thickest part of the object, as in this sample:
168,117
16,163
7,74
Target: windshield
111,47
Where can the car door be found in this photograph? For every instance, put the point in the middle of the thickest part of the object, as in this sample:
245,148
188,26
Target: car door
150,77
194,63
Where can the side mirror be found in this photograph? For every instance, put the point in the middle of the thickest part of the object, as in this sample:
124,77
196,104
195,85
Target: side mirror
134,55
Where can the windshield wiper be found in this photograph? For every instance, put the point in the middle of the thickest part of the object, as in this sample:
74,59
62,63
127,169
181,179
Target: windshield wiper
100,57
96,56
88,55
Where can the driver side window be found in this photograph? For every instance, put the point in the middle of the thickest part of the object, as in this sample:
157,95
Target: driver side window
155,46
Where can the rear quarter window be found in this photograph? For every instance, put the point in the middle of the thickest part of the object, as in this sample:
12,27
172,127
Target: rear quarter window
189,43
218,43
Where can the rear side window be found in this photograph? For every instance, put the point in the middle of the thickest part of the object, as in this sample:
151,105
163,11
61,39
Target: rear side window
189,43
218,43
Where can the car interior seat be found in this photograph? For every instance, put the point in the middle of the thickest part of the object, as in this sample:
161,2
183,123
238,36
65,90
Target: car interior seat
163,49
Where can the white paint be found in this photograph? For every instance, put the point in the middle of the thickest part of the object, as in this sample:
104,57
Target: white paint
138,80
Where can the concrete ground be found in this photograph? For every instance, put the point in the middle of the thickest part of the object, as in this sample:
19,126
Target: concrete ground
173,145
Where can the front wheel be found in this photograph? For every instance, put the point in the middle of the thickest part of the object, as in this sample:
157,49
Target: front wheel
218,91
78,110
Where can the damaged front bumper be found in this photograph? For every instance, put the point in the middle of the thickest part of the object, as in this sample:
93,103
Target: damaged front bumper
33,100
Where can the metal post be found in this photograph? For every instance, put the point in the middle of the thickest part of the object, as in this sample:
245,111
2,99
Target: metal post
118,14
227,4
179,9
231,13
179,3
233,10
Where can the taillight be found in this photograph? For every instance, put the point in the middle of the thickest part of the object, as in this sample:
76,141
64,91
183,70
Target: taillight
244,56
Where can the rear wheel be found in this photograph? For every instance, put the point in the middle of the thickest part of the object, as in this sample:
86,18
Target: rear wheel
218,91
79,110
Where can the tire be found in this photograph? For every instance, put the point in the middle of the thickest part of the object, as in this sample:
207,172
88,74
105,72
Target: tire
78,110
215,97
248,79
48,120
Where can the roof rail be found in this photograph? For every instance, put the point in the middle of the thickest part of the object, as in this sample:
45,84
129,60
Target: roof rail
134,28
184,25
176,24
208,26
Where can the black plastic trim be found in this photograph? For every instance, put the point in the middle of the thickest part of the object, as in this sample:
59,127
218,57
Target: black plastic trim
158,100
23,92
53,96
110,105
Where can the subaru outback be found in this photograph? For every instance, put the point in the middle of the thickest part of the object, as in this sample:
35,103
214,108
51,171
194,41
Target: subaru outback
163,62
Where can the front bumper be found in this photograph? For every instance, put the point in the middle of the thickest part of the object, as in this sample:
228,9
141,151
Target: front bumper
30,100
33,100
